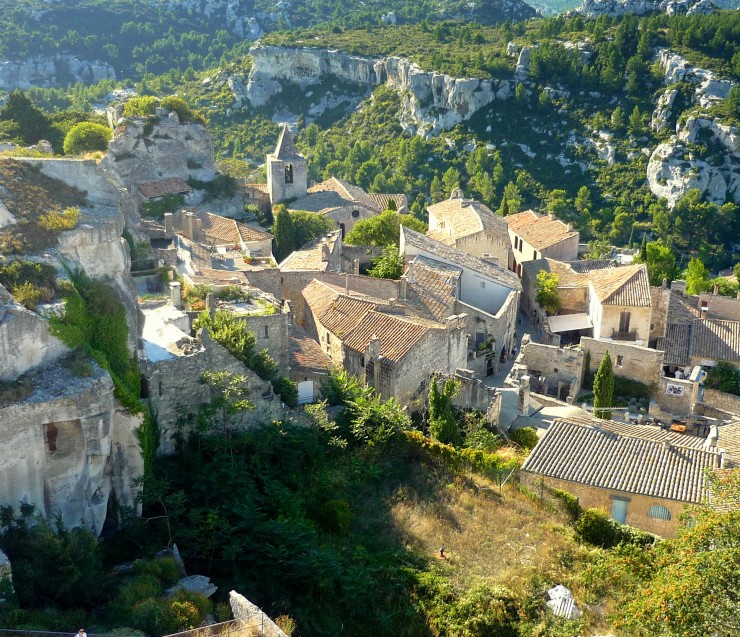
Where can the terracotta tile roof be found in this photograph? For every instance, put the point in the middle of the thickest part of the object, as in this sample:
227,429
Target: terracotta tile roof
539,231
451,255
319,296
729,440
631,461
285,148
433,285
716,340
230,231
397,335
164,187
309,258
464,217
627,285
305,353
344,314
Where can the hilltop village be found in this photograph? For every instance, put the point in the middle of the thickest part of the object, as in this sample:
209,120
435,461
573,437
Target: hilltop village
151,304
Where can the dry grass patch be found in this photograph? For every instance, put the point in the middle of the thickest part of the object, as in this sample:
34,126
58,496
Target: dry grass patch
506,538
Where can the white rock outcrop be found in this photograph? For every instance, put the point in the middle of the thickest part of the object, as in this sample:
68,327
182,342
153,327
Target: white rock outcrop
710,88
613,8
663,110
72,448
45,72
431,101
673,168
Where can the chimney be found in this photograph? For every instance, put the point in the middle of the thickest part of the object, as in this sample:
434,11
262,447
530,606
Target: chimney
570,227
189,226
373,347
356,266
711,440
346,284
393,301
325,251
722,460
198,231
667,444
403,287
169,225
176,294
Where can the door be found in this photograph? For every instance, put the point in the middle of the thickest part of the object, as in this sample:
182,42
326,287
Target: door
619,510
305,392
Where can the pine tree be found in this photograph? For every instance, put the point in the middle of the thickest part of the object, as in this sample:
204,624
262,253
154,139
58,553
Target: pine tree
284,233
604,388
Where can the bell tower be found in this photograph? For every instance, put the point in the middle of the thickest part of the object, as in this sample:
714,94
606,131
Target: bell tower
287,170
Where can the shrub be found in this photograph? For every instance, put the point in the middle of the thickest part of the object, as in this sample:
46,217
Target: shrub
525,437
59,220
140,106
86,137
595,527
570,503
335,516
179,105
627,388
28,295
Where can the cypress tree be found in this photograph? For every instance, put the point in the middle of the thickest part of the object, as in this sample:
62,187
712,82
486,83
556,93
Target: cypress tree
643,248
284,233
604,388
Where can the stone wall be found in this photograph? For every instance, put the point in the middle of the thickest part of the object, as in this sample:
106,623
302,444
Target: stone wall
595,498
553,370
73,448
722,307
252,616
176,393
363,254
721,401
628,360
679,405
25,342
271,333
660,299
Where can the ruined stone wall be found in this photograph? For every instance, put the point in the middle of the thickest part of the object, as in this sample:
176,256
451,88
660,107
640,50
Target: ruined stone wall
253,617
271,333
555,366
628,360
673,404
72,448
721,401
363,254
25,342
176,393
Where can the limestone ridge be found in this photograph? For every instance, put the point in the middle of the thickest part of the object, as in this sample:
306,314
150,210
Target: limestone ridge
613,8
673,170
44,72
431,101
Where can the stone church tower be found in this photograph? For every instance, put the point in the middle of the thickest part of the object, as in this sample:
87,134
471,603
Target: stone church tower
287,170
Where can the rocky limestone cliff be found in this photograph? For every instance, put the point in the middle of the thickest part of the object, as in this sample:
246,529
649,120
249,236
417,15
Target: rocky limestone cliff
431,101
674,168
613,8
171,149
72,447
45,72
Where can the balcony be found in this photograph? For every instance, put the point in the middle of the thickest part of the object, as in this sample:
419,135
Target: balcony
624,336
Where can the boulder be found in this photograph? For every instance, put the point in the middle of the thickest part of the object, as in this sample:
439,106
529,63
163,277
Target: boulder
193,584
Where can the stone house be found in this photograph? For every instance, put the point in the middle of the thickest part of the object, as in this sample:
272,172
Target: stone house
309,365
346,204
697,330
640,475
471,227
320,255
535,236
610,304
221,233
383,342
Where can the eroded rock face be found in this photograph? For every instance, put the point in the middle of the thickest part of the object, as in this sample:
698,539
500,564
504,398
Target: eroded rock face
171,149
674,169
431,101
663,111
72,448
709,87
47,71
612,8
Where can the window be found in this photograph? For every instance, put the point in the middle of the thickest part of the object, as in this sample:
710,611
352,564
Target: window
51,437
620,360
355,214
624,321
289,174
619,510
659,512
482,284
267,331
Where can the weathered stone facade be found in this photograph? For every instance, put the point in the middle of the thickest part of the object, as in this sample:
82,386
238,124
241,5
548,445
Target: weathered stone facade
74,450
553,371
630,361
